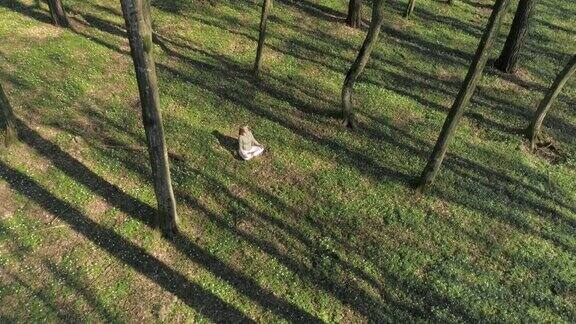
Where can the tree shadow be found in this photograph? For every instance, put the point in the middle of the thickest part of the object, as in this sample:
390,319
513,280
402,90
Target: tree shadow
349,294
30,11
70,281
63,314
144,213
315,10
192,294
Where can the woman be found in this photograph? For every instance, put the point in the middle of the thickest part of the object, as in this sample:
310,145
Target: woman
248,147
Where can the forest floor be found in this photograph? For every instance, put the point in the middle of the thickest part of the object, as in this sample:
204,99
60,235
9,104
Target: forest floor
325,225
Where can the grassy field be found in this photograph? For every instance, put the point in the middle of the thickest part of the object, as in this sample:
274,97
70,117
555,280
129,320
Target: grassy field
325,226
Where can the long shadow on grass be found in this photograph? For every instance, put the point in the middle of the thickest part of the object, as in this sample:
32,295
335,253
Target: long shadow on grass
30,11
349,293
404,87
287,125
145,214
63,312
285,96
552,208
70,280
385,308
405,83
228,93
64,315
192,294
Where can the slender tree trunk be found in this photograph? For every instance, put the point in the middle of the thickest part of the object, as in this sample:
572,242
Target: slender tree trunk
354,18
9,121
360,63
138,24
409,8
466,92
534,128
516,38
266,7
58,14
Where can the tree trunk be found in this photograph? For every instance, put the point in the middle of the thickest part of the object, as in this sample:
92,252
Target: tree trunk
8,121
354,18
138,24
516,37
266,6
410,8
534,128
360,63
58,14
466,92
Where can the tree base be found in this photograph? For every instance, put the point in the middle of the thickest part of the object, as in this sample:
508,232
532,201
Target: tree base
504,68
422,188
533,139
354,24
350,122
170,233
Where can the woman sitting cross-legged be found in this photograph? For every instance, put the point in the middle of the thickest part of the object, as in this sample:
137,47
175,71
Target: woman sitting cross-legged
248,147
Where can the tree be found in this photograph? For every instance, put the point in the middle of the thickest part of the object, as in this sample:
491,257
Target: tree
354,17
508,60
266,6
138,24
534,128
360,63
463,98
8,119
58,14
409,8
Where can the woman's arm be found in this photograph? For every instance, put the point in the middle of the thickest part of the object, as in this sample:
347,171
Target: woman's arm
255,142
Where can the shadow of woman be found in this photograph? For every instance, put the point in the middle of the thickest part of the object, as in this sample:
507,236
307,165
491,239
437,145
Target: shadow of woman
229,143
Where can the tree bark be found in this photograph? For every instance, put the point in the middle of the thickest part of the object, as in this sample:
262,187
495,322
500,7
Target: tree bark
354,18
138,24
534,128
9,121
58,14
360,63
466,92
409,8
266,7
508,60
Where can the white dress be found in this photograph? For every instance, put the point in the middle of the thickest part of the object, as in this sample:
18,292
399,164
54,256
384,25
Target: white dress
248,147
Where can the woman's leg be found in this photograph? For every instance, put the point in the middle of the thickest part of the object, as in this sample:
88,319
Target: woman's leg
254,151
259,150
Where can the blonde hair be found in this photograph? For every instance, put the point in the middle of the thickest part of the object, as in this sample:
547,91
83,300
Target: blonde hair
243,130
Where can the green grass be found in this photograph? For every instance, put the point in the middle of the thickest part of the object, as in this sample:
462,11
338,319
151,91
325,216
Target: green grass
324,225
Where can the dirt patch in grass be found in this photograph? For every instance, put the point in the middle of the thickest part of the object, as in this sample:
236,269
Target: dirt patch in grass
405,117
8,206
550,151
98,206
41,33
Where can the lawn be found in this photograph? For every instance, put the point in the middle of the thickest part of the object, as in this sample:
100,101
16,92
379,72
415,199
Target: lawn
325,226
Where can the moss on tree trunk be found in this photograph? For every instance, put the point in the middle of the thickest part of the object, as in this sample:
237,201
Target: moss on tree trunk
58,14
466,92
508,60
354,17
360,63
409,8
138,24
266,7
534,128
8,121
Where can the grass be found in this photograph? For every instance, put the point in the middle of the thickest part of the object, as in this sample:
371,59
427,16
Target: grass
325,225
